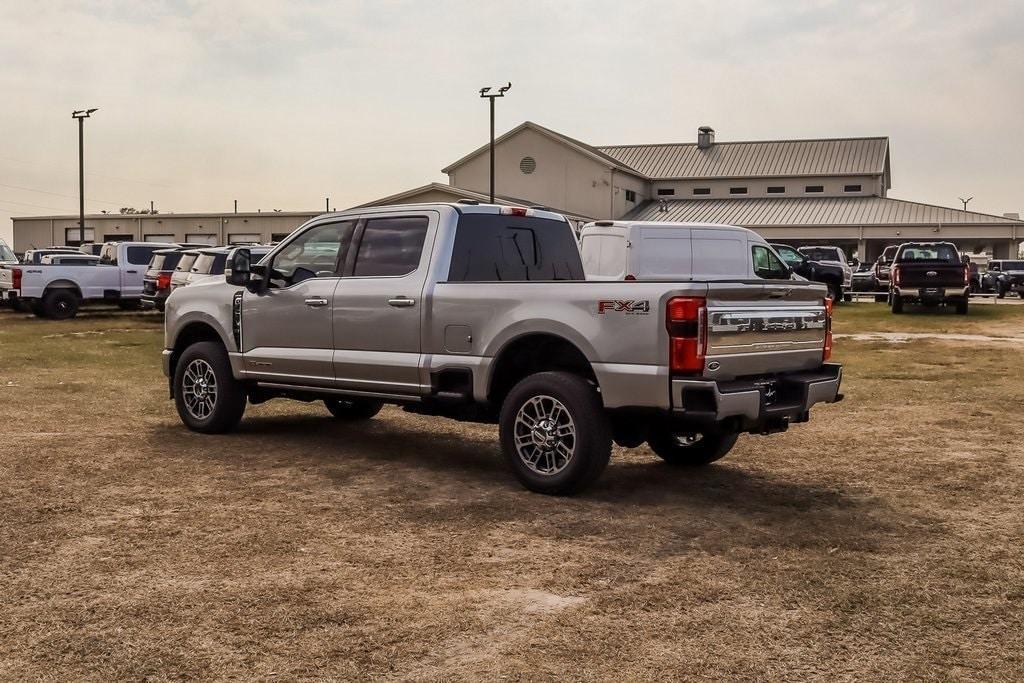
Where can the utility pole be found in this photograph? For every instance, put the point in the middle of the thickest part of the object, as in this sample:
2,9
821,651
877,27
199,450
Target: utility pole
151,206
486,92
81,115
236,206
965,201
328,204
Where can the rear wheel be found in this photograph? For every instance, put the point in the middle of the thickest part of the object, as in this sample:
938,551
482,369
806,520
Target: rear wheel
897,304
60,304
835,292
554,433
208,397
691,450
1000,290
352,410
961,306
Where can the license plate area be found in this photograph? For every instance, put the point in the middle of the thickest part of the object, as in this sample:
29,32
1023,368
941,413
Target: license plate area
769,391
932,291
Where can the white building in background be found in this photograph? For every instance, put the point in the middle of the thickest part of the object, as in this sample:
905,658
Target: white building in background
831,191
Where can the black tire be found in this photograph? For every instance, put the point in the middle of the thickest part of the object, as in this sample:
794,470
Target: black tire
847,297
228,401
961,306
1000,290
897,304
589,446
354,409
22,306
707,449
60,304
835,292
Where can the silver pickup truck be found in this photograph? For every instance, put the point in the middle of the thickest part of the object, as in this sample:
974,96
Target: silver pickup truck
480,312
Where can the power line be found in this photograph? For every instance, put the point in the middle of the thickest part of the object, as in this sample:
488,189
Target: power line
58,194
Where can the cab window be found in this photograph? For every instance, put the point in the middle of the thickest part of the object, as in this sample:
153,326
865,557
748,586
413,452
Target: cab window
767,265
390,247
314,253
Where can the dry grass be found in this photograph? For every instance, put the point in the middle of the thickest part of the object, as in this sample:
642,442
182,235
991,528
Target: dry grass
882,540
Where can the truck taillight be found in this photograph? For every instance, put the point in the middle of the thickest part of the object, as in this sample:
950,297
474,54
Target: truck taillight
514,211
827,352
894,275
686,320
16,278
967,276
163,281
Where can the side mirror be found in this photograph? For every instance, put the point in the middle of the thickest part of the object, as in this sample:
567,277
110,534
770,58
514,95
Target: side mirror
238,269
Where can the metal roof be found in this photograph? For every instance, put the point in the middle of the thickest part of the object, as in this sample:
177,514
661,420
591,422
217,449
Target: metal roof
824,157
782,211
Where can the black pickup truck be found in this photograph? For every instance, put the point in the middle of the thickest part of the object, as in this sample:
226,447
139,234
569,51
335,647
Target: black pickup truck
815,271
1004,277
929,273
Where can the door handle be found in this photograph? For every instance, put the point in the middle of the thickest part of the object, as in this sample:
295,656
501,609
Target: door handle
401,302
316,302
132,272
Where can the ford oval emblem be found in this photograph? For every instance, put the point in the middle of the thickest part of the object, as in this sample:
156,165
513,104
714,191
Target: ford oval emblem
714,365
932,273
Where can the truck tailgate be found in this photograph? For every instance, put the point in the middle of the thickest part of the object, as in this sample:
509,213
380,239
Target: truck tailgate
930,275
764,329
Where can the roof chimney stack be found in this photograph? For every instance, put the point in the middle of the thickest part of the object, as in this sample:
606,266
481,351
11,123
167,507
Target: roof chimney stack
705,137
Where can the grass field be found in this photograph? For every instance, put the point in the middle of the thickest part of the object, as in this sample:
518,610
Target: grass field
880,541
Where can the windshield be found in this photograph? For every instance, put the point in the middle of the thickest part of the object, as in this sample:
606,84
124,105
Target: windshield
929,252
6,254
823,254
790,255
185,264
1013,265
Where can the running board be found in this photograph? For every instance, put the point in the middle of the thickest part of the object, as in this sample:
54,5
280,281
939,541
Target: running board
337,392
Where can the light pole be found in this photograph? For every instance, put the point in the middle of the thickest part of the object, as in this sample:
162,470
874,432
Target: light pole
965,201
81,115
486,92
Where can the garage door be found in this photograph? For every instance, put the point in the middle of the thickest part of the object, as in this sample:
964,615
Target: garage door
244,238
201,238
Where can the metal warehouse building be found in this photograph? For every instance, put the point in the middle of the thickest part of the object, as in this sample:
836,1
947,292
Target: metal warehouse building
831,190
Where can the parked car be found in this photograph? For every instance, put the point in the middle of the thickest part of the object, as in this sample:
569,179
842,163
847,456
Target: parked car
57,291
882,267
864,278
91,248
826,273
181,271
210,262
156,283
1003,277
929,273
833,256
34,256
70,259
481,312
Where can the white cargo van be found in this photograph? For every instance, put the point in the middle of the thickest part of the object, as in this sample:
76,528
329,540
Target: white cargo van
638,250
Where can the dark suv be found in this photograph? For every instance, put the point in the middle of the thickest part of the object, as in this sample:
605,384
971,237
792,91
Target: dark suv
1003,277
156,285
815,271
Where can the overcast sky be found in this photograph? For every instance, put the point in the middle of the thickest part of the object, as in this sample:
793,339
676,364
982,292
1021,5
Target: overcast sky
279,104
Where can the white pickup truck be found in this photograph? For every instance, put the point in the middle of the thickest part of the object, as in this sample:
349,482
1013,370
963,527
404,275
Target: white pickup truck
57,291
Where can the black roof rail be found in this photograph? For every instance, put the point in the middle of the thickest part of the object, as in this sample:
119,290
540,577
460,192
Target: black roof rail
472,202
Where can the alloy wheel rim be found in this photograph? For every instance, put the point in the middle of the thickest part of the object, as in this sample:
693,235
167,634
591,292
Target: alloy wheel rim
199,389
545,435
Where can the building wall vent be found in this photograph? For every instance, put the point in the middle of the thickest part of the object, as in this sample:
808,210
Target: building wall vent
528,165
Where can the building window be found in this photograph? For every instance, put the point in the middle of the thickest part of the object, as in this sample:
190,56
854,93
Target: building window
737,190
73,238
851,188
527,165
666,191
814,188
776,189
630,196
702,190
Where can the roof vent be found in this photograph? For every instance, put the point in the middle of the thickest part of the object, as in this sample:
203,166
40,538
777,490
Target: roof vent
705,137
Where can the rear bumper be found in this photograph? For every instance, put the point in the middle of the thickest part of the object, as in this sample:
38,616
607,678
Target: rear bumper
768,404
154,301
931,294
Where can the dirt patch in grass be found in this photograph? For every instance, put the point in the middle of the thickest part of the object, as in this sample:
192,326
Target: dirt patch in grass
881,540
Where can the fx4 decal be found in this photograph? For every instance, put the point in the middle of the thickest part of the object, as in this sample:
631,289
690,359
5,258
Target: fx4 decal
627,307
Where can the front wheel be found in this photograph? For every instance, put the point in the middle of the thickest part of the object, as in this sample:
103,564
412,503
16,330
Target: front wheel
691,450
961,306
208,397
352,410
835,292
554,433
897,304
1000,290
60,304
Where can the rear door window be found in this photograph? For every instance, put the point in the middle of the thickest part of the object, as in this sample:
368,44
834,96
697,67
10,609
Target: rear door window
390,247
494,247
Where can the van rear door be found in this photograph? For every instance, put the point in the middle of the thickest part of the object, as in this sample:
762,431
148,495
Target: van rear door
661,253
603,250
